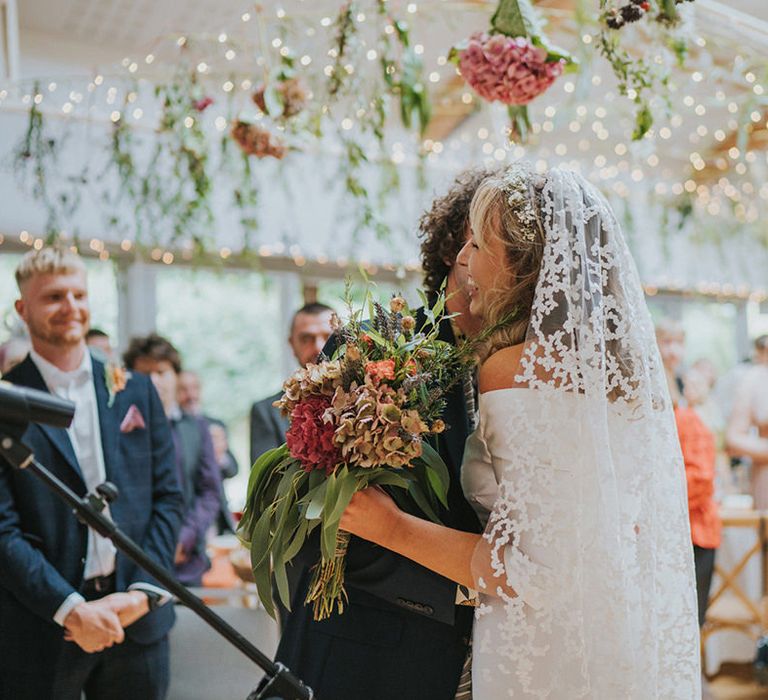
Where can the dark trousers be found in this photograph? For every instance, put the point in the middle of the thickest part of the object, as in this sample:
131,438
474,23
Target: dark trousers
126,671
704,561
375,651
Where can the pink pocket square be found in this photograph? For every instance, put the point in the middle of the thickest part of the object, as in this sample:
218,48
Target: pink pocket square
133,420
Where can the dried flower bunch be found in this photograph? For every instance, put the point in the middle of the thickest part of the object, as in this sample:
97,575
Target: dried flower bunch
255,140
615,17
359,419
286,98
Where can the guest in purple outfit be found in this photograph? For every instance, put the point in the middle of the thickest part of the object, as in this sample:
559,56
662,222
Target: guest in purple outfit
198,470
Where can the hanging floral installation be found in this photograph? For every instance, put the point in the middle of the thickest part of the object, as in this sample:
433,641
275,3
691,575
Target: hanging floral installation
638,78
35,161
207,125
512,63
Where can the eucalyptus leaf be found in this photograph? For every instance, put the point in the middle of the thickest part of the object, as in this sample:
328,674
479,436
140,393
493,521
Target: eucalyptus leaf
437,472
316,502
297,542
281,581
331,491
316,477
348,485
437,309
260,540
287,519
389,478
263,466
262,575
376,337
421,500
328,540
286,480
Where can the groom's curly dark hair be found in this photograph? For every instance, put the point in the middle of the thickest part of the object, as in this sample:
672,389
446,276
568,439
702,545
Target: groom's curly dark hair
442,229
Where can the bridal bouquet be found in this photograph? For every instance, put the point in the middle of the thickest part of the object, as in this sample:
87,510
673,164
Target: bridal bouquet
358,419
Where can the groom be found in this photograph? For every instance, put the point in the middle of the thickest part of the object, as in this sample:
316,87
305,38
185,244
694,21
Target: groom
402,634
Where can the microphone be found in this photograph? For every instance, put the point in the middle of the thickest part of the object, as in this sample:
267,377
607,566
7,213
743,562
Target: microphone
20,405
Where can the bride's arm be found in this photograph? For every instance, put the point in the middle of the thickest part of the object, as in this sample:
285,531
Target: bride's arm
373,515
463,557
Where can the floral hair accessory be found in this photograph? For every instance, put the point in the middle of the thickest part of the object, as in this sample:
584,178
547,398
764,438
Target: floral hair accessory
523,188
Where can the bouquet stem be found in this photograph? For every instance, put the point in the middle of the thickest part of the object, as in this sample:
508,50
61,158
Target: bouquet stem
326,589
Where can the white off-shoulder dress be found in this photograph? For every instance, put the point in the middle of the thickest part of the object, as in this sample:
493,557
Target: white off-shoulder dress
602,606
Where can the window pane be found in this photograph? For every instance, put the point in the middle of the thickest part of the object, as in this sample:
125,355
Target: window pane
228,329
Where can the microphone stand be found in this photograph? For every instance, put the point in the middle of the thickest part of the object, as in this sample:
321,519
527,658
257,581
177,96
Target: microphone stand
279,682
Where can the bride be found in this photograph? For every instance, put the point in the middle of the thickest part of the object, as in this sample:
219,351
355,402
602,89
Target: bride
585,569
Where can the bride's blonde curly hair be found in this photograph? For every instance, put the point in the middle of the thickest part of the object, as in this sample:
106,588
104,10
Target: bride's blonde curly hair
508,205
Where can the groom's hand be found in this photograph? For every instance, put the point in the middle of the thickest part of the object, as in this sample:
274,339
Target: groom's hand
129,606
372,515
93,626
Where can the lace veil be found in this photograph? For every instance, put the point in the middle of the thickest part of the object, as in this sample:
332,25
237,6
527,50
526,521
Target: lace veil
590,526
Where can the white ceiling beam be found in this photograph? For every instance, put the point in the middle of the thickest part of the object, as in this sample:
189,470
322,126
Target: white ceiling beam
9,40
740,23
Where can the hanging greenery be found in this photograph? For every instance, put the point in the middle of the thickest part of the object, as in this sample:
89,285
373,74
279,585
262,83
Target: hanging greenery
403,70
215,131
638,79
35,162
174,183
352,99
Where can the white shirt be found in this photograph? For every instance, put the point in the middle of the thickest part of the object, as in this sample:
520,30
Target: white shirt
85,435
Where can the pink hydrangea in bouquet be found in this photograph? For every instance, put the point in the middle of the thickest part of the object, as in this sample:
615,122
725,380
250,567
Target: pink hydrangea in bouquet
358,419
512,63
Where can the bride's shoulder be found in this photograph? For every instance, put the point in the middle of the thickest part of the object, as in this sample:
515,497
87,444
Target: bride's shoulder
498,371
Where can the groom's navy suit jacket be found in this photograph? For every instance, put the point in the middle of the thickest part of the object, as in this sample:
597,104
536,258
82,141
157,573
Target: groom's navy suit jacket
401,637
43,546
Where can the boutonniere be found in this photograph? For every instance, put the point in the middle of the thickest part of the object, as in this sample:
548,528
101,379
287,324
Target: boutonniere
116,377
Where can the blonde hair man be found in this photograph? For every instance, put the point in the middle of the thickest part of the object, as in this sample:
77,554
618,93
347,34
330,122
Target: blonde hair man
77,616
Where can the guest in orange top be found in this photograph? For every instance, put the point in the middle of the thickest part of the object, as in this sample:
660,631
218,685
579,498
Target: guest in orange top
697,443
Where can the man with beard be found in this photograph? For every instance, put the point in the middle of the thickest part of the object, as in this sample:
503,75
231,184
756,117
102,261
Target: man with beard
76,615
310,330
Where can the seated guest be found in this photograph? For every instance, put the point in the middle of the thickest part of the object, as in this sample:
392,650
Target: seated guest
198,472
189,394
310,329
98,342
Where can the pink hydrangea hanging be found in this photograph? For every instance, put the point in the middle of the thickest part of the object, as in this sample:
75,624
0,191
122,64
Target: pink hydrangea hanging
507,69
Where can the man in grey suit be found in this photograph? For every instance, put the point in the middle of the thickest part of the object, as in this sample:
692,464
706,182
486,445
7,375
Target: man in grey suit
310,330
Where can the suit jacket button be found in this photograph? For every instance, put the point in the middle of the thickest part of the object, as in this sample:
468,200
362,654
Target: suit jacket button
428,609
